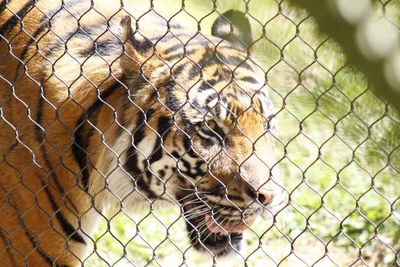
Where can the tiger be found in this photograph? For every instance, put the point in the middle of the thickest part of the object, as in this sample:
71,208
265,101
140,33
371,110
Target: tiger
106,109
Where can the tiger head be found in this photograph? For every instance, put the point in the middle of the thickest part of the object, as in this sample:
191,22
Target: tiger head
204,136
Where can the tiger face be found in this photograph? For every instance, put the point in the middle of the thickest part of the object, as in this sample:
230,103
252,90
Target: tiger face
207,140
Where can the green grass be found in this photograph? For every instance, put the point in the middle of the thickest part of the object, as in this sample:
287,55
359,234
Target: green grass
341,170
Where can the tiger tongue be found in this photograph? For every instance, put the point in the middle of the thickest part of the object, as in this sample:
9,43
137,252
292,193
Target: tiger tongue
225,228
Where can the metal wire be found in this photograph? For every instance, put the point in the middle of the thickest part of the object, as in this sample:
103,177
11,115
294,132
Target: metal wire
336,146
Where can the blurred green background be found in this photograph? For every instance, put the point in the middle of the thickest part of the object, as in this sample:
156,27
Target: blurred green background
340,155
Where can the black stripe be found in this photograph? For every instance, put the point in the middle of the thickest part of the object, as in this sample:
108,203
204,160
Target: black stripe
7,245
3,5
211,97
40,139
260,106
208,58
195,70
66,226
131,164
101,47
82,32
12,21
249,79
44,25
187,144
141,45
163,127
143,186
177,70
186,164
139,133
91,32
32,39
172,101
171,49
53,13
35,245
179,55
212,82
32,238
200,163
82,135
79,152
162,39
232,96
235,61
195,103
203,86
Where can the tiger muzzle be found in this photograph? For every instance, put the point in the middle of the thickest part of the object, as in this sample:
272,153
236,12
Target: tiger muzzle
214,232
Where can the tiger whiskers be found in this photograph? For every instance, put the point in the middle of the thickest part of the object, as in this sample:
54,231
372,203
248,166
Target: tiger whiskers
196,194
199,213
200,226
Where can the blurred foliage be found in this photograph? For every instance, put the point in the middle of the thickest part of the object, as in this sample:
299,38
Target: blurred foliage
367,40
341,167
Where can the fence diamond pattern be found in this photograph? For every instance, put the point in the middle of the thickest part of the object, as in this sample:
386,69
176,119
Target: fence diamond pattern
334,162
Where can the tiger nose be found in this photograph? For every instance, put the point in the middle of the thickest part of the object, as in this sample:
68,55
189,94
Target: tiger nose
265,196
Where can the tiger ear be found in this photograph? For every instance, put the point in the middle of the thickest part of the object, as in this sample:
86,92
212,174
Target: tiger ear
138,49
234,27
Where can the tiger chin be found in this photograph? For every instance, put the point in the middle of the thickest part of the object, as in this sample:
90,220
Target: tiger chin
99,109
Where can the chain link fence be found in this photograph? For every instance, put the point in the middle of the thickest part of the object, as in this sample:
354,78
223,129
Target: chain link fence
104,120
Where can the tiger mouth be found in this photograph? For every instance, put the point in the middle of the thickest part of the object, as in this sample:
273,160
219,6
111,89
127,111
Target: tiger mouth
218,238
222,244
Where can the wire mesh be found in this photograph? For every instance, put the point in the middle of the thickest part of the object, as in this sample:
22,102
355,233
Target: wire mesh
192,133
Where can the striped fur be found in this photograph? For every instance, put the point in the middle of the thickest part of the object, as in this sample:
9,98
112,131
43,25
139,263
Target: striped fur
97,114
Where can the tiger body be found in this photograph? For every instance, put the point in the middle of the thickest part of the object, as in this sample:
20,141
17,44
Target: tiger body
99,114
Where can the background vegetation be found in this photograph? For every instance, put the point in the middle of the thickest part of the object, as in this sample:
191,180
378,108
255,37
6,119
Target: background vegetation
340,155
